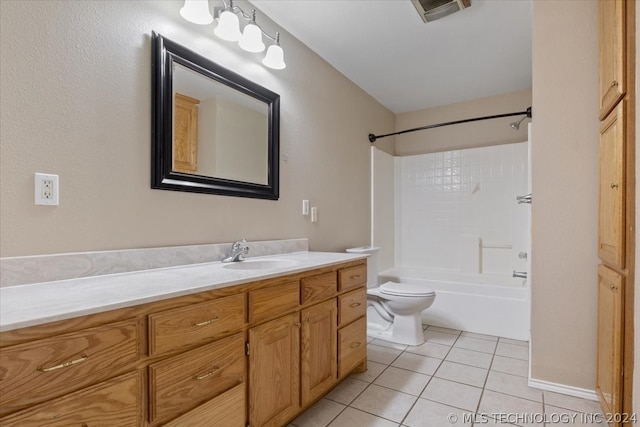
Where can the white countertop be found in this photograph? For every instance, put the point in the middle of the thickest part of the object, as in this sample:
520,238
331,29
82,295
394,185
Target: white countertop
39,303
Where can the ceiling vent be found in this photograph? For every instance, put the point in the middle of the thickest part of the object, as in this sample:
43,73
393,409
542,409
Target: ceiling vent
430,10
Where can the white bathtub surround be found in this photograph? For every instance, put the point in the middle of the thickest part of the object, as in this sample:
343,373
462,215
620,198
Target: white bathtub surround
38,303
45,268
444,201
470,254
481,303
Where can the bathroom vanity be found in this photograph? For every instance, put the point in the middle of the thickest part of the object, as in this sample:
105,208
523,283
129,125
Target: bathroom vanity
249,345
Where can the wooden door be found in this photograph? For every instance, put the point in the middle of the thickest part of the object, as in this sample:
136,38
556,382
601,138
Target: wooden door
612,54
274,371
609,357
185,134
612,188
319,362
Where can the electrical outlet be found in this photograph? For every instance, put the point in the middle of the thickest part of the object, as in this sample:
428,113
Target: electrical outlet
46,189
314,214
305,207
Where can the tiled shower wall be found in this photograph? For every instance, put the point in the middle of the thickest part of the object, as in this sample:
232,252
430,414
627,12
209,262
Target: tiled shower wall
457,210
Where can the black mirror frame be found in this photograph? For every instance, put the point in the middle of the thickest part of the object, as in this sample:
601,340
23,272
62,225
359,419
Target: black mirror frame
164,52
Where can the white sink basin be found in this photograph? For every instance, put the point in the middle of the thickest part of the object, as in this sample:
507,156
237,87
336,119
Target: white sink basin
260,264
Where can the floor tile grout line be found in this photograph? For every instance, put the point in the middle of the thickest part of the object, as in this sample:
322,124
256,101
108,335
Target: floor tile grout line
430,379
484,385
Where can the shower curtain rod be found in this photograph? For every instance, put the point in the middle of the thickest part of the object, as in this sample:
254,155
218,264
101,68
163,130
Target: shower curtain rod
372,137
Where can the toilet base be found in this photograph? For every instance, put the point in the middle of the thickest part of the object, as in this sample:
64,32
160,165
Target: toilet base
404,330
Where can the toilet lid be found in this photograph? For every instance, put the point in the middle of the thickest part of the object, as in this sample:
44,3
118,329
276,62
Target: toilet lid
405,289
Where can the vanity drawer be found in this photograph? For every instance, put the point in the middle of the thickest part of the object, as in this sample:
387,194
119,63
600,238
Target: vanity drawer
183,382
319,287
271,302
351,306
352,277
227,410
352,346
47,368
195,324
117,402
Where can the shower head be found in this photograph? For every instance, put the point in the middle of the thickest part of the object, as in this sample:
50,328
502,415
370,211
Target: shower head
516,125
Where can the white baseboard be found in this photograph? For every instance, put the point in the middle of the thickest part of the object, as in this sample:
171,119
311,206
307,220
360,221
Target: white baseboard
582,393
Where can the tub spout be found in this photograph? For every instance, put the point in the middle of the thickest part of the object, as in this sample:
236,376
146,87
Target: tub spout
520,274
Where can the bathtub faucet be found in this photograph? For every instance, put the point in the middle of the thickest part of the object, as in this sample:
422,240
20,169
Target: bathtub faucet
238,249
520,274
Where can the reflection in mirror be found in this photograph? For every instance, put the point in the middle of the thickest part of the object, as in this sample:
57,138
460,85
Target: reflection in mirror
213,130
218,131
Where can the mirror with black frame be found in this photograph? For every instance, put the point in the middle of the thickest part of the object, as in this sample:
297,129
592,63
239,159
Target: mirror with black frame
214,131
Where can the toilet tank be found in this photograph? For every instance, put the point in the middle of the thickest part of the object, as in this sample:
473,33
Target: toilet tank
372,263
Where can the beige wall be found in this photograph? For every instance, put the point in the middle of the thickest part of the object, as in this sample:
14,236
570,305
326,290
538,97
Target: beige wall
76,95
565,196
465,135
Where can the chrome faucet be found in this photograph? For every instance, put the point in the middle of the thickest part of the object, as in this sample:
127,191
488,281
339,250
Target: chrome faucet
238,249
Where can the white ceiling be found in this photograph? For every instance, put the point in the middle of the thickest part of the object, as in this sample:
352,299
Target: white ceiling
385,48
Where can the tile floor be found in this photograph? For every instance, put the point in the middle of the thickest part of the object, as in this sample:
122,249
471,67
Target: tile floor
455,378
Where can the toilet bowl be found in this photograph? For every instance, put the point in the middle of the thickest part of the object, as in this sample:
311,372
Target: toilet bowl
394,311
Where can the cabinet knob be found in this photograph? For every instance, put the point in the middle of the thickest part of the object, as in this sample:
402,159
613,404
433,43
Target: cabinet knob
298,325
613,287
614,83
614,185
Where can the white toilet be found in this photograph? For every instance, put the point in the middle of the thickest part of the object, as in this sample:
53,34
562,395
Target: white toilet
394,311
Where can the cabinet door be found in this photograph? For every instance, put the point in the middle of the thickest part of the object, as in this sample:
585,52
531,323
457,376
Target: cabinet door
612,188
185,147
319,349
274,378
612,54
609,358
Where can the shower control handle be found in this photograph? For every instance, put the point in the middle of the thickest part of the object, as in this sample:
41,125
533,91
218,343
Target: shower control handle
520,274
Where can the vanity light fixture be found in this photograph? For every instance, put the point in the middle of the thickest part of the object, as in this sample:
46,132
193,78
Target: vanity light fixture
196,11
228,28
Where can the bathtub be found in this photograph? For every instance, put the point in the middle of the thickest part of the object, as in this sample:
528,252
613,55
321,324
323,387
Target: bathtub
490,304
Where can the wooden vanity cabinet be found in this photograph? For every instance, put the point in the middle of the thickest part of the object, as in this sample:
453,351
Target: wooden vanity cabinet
611,230
613,55
260,352
616,210
118,402
183,382
274,360
609,354
47,368
319,352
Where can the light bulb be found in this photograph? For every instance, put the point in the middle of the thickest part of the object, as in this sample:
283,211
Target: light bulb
251,40
228,26
274,58
196,11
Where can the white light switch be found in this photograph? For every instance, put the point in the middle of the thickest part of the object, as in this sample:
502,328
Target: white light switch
305,207
314,214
